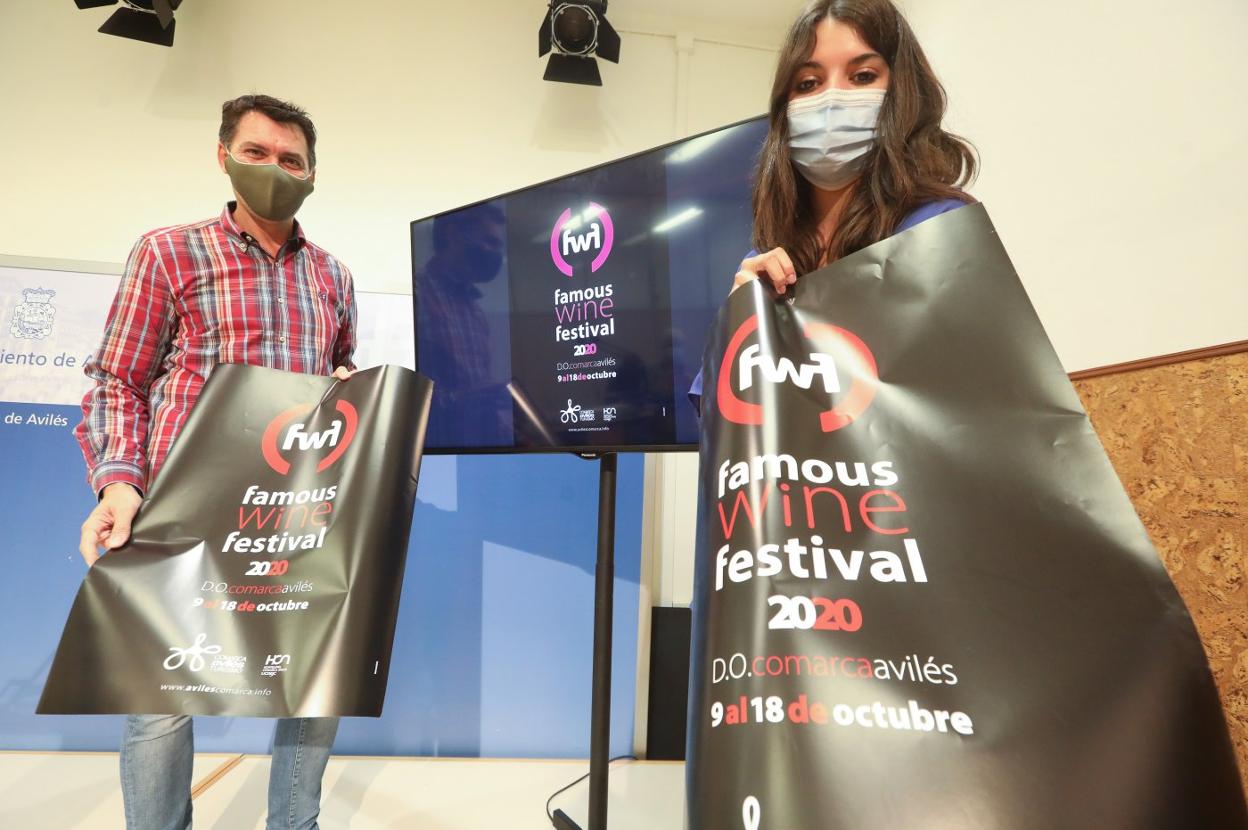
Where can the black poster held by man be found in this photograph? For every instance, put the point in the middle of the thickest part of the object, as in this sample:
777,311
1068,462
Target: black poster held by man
263,572
923,598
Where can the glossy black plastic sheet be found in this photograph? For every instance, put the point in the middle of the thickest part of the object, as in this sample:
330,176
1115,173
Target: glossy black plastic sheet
263,573
923,599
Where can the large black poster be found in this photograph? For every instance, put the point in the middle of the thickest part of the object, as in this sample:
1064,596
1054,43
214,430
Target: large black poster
923,599
263,572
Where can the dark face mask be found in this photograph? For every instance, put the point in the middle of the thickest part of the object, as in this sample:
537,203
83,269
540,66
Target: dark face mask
482,263
269,191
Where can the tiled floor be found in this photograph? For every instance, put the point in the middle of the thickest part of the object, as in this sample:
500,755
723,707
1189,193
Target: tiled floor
79,791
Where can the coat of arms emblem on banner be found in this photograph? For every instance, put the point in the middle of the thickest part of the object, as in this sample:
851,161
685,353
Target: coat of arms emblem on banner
32,318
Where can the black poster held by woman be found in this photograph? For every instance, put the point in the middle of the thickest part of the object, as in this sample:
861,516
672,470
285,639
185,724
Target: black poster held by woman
922,598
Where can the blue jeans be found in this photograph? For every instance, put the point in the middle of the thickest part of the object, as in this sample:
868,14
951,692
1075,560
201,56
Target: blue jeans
156,756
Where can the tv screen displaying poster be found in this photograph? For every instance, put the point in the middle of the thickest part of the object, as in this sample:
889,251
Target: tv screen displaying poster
572,315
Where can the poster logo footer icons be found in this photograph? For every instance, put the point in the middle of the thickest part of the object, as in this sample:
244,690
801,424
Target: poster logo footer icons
192,656
274,664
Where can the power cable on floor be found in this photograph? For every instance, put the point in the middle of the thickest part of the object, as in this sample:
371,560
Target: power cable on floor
559,818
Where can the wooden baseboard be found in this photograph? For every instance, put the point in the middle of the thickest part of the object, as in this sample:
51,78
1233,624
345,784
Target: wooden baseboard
1162,360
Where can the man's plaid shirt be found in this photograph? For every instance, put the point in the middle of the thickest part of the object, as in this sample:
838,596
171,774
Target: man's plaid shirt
191,297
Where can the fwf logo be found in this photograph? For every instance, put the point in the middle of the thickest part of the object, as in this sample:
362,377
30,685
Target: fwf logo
282,436
839,355
580,233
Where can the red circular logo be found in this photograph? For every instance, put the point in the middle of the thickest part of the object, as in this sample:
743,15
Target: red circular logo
838,353
285,435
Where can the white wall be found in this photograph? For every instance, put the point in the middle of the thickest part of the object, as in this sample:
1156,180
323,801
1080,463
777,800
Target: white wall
422,105
1113,142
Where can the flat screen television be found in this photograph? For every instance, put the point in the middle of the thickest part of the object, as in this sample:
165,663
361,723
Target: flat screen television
571,315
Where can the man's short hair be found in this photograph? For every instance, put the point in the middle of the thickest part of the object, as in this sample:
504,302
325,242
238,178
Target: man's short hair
283,112
464,224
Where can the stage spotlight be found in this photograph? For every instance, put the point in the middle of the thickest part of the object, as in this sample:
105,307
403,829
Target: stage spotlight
577,30
150,21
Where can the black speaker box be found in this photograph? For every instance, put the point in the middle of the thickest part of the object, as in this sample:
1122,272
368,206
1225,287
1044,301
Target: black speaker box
669,683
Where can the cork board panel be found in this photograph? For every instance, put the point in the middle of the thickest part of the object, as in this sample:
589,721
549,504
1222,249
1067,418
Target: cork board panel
1178,437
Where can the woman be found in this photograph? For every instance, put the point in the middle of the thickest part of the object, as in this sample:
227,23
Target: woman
855,152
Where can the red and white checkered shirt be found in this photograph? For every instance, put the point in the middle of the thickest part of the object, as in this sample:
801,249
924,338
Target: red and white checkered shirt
191,297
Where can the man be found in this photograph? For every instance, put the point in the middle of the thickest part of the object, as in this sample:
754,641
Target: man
469,248
245,287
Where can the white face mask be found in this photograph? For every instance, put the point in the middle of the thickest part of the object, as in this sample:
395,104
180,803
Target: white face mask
831,133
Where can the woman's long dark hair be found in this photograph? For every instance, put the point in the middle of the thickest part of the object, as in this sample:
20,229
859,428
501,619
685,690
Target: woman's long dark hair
913,161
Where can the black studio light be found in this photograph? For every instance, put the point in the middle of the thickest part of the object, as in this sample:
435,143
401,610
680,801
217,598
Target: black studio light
150,21
575,31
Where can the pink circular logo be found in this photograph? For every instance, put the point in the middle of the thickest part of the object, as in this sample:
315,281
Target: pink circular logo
577,233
